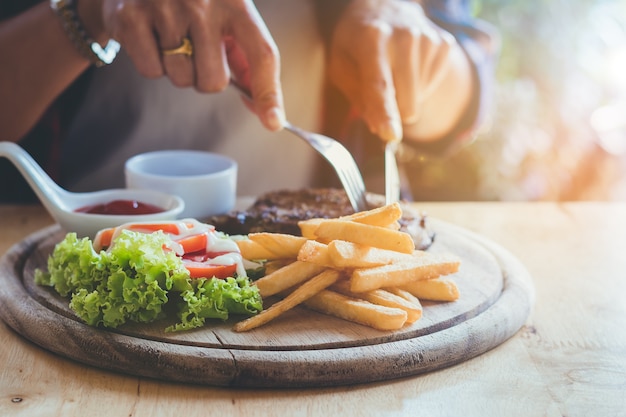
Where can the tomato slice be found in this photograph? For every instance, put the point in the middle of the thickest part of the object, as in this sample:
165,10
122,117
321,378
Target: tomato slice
202,256
207,270
103,238
194,243
169,228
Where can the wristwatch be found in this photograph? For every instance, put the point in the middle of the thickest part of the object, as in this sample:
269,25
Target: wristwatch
89,48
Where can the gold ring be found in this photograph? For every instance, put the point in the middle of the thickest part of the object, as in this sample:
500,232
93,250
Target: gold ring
185,48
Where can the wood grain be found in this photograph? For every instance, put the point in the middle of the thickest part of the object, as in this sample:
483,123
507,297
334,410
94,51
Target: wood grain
318,351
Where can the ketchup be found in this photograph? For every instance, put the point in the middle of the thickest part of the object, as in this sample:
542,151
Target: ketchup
121,207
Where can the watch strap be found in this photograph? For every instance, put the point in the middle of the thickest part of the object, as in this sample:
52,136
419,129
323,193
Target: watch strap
87,46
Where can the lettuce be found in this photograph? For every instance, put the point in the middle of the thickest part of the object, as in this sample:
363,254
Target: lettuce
135,279
216,298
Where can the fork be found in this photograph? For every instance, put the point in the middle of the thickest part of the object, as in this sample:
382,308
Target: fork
335,153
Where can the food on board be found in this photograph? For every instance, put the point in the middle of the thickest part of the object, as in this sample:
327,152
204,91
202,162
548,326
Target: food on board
357,267
362,267
280,211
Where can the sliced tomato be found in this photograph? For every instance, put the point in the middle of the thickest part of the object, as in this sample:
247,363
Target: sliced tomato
169,228
202,256
103,238
194,243
208,270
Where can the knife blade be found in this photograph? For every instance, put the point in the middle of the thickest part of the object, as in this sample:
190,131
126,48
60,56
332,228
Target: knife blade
392,176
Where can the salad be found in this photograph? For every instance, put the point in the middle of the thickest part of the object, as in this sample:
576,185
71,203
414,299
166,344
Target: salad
141,271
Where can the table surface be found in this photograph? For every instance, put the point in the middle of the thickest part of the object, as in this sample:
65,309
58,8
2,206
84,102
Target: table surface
568,360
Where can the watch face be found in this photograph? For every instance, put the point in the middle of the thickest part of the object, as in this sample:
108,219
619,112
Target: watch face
108,53
60,4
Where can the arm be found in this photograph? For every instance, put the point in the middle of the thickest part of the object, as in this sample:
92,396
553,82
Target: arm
229,37
42,68
413,71
406,76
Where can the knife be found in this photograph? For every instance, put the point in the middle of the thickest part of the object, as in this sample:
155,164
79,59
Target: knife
392,176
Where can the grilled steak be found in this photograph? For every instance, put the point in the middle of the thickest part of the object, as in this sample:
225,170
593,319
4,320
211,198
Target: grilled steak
280,211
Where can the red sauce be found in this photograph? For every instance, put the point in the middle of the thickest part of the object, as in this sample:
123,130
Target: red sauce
121,207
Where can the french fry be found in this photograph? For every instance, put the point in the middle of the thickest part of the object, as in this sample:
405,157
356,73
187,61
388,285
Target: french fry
365,234
384,216
393,226
308,227
433,289
253,250
286,277
298,296
316,253
358,311
385,297
380,216
280,244
406,295
354,255
400,273
276,264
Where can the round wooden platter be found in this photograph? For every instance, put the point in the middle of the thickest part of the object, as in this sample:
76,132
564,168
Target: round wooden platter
302,348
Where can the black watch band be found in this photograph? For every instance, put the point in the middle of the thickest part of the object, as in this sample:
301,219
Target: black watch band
87,46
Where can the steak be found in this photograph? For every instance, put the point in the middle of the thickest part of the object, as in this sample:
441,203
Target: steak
280,211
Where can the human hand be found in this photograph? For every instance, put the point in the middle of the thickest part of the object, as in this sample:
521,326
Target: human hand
229,39
388,58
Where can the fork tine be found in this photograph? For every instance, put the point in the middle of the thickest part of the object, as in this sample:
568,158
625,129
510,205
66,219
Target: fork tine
355,193
353,182
348,183
358,191
357,184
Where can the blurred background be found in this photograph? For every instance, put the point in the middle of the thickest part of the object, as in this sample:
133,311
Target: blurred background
558,132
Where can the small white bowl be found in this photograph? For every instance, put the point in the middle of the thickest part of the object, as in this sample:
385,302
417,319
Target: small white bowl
207,182
88,224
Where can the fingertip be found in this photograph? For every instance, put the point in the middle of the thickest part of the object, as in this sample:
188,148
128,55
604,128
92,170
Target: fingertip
389,130
275,119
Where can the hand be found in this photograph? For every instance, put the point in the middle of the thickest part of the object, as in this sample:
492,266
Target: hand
388,58
229,39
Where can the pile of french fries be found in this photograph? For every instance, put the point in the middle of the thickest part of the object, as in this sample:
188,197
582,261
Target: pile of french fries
360,268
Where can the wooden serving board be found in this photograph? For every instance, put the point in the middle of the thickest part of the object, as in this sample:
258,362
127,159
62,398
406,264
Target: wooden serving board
302,348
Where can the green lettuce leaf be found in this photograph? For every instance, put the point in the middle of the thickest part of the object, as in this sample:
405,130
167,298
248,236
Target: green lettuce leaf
216,298
135,278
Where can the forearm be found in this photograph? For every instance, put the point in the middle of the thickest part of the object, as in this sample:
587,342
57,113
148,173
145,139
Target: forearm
43,62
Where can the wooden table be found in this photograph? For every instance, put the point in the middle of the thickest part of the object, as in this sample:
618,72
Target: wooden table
568,360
